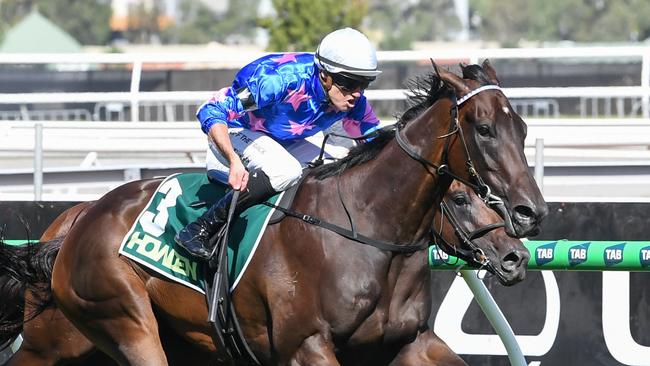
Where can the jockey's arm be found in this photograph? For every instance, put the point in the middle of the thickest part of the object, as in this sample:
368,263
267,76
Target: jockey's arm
238,175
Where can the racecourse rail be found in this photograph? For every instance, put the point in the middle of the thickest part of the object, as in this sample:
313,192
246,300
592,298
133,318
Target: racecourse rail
557,255
233,60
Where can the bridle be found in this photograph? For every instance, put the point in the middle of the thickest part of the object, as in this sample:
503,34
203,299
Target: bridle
442,169
476,183
474,255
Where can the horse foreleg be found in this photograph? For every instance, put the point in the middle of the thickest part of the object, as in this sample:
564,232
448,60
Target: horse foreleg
427,349
315,350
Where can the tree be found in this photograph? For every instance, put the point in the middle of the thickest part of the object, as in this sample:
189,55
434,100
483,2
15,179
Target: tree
402,22
509,21
197,23
12,11
143,22
299,25
86,21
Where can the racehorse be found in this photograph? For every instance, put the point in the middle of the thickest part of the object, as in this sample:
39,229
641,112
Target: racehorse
310,296
50,339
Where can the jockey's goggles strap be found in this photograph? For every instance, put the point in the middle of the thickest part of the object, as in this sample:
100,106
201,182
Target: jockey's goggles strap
465,97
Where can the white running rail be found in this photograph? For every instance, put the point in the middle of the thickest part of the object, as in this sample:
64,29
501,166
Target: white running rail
220,60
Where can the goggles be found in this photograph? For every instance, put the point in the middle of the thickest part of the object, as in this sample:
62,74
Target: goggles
349,83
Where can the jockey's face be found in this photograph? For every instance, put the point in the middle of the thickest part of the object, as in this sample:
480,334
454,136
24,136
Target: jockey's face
342,98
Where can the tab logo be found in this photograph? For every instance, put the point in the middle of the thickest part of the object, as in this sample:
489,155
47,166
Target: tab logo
545,253
644,257
613,255
438,256
578,254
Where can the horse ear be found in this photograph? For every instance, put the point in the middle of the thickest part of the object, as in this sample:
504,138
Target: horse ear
435,67
454,80
491,73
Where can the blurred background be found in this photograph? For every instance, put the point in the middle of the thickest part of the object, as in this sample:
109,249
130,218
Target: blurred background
98,92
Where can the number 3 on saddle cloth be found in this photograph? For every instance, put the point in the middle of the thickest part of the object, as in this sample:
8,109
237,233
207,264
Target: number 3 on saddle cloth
179,200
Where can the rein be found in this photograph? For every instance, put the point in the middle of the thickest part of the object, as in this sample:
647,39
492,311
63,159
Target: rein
351,234
479,187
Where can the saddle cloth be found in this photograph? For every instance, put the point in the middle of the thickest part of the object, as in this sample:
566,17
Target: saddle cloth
179,200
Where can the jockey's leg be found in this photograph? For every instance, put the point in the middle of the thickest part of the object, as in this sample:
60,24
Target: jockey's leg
316,350
195,237
272,170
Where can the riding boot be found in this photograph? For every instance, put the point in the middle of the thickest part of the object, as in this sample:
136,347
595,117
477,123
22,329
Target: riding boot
195,237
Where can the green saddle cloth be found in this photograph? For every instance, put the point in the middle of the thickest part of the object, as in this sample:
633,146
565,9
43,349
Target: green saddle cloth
179,200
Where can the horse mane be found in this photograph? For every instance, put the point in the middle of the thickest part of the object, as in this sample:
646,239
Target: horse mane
476,73
424,92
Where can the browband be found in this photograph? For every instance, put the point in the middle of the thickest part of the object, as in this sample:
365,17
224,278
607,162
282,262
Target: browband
465,97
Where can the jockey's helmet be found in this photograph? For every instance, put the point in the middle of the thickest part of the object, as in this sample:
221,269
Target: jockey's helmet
347,51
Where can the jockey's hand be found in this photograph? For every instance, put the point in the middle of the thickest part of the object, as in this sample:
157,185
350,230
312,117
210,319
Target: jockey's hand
238,176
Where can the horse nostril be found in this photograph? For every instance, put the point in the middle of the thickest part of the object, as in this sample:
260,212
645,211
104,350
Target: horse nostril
525,211
510,261
525,214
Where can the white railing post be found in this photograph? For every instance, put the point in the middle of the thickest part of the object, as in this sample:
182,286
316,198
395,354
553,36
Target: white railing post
495,317
539,163
38,161
645,83
136,75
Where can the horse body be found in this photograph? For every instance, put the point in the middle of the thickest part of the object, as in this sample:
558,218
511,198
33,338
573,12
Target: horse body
365,299
310,296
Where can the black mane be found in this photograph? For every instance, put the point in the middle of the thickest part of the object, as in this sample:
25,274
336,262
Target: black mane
424,92
476,73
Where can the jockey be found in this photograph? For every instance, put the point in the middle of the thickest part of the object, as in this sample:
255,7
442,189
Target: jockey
257,125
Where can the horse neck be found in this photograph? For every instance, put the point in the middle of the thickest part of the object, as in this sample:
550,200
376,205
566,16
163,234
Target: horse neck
394,191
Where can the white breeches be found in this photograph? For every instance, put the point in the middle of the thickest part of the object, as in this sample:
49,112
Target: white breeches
282,164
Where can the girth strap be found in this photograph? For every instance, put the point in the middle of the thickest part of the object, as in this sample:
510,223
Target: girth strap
354,236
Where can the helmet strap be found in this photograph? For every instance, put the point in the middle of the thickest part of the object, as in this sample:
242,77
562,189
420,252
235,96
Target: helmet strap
326,83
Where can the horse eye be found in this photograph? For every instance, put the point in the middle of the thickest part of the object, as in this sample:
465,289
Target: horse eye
460,200
483,130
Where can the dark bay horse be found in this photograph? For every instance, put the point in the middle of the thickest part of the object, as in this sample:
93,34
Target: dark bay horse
465,227
311,297
50,339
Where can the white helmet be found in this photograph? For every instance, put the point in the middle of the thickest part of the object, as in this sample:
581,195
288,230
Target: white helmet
348,51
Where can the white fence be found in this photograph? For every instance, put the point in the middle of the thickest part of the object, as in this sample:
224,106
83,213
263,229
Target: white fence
579,143
607,158
219,60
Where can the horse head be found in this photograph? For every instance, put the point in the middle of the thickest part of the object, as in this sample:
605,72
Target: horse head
467,228
488,149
